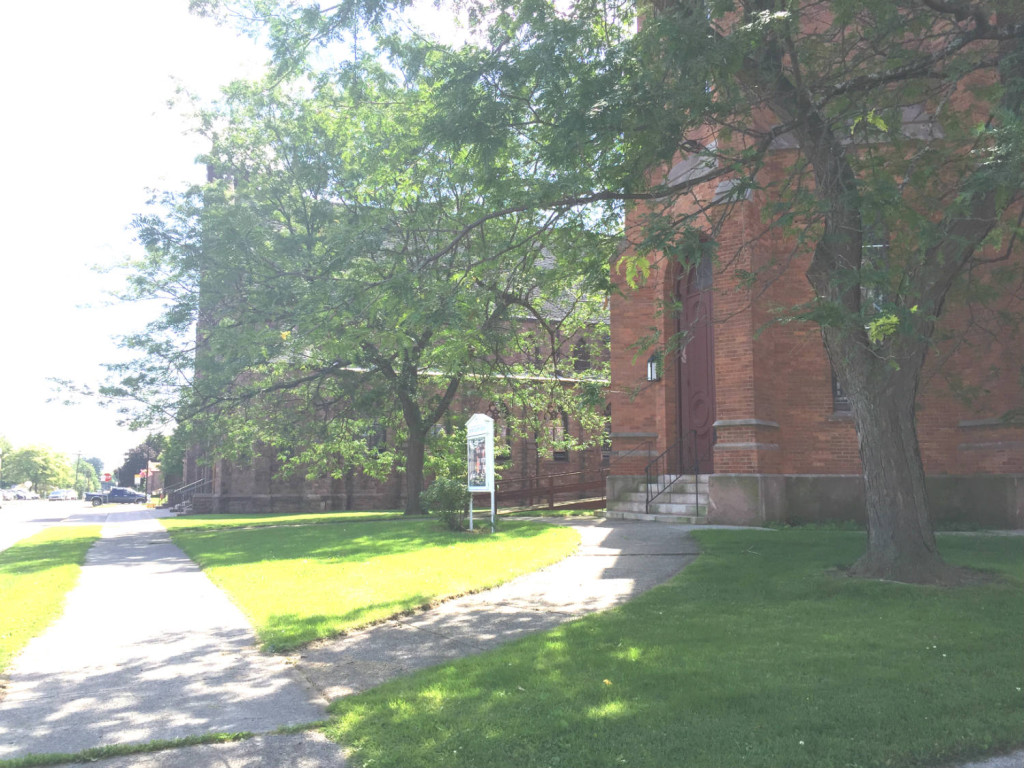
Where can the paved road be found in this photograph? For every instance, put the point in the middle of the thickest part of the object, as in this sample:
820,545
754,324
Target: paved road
147,648
21,519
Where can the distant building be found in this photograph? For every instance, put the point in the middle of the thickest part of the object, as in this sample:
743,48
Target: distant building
530,470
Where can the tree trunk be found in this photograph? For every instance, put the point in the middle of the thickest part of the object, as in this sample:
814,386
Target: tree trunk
901,545
415,451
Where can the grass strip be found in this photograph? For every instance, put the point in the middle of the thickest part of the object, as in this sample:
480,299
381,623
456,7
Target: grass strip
301,583
758,654
120,750
525,512
35,576
205,522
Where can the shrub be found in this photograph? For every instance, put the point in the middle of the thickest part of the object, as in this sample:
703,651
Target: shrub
449,500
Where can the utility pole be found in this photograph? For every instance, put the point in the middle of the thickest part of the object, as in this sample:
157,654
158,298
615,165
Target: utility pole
78,461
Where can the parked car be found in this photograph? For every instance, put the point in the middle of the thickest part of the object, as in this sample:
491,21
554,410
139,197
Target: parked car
64,494
115,496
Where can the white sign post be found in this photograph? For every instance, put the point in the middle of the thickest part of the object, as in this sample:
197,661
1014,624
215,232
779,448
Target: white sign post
480,460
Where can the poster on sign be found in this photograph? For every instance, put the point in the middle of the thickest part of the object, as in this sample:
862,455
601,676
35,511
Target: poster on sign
478,464
480,453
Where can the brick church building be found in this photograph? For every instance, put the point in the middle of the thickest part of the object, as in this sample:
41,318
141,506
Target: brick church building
752,407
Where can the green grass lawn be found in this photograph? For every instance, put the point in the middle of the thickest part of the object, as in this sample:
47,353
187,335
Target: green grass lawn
301,583
520,512
35,575
204,522
758,654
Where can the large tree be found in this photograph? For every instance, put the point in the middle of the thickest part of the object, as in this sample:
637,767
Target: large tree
138,458
43,468
96,463
83,476
346,286
906,116
6,447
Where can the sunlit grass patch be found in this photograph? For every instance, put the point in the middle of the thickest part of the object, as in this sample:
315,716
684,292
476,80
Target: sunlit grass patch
302,583
201,522
758,654
35,575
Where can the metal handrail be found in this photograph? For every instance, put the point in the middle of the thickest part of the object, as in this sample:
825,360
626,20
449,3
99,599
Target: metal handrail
185,493
171,489
659,468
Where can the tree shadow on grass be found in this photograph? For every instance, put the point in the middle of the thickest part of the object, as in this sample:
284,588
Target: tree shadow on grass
287,631
353,543
37,556
707,671
612,566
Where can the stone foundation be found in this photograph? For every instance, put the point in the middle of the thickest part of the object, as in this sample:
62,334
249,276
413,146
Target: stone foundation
985,501
617,486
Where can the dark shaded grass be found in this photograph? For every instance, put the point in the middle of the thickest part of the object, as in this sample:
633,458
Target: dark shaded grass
758,654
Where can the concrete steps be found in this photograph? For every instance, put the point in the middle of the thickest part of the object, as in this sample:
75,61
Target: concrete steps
657,518
685,501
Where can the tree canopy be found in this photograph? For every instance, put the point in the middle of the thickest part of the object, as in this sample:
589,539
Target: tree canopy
45,470
96,463
137,459
347,285
906,119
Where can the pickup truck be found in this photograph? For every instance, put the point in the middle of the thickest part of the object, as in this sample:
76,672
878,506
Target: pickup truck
115,496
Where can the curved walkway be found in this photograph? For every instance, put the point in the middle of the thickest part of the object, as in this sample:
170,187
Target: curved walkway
617,560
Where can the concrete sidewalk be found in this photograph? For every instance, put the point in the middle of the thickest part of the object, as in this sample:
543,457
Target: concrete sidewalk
617,560
147,648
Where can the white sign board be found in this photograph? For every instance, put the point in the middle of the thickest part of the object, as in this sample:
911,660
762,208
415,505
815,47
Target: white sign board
480,459
480,453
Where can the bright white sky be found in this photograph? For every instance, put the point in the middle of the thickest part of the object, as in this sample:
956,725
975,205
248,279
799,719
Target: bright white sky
85,130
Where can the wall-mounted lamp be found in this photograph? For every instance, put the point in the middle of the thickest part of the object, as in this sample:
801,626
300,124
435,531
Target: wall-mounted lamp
654,367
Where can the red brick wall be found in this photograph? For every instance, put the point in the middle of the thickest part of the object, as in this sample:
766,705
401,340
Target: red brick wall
781,375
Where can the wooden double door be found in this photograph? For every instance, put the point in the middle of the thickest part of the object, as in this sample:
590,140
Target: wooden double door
696,374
